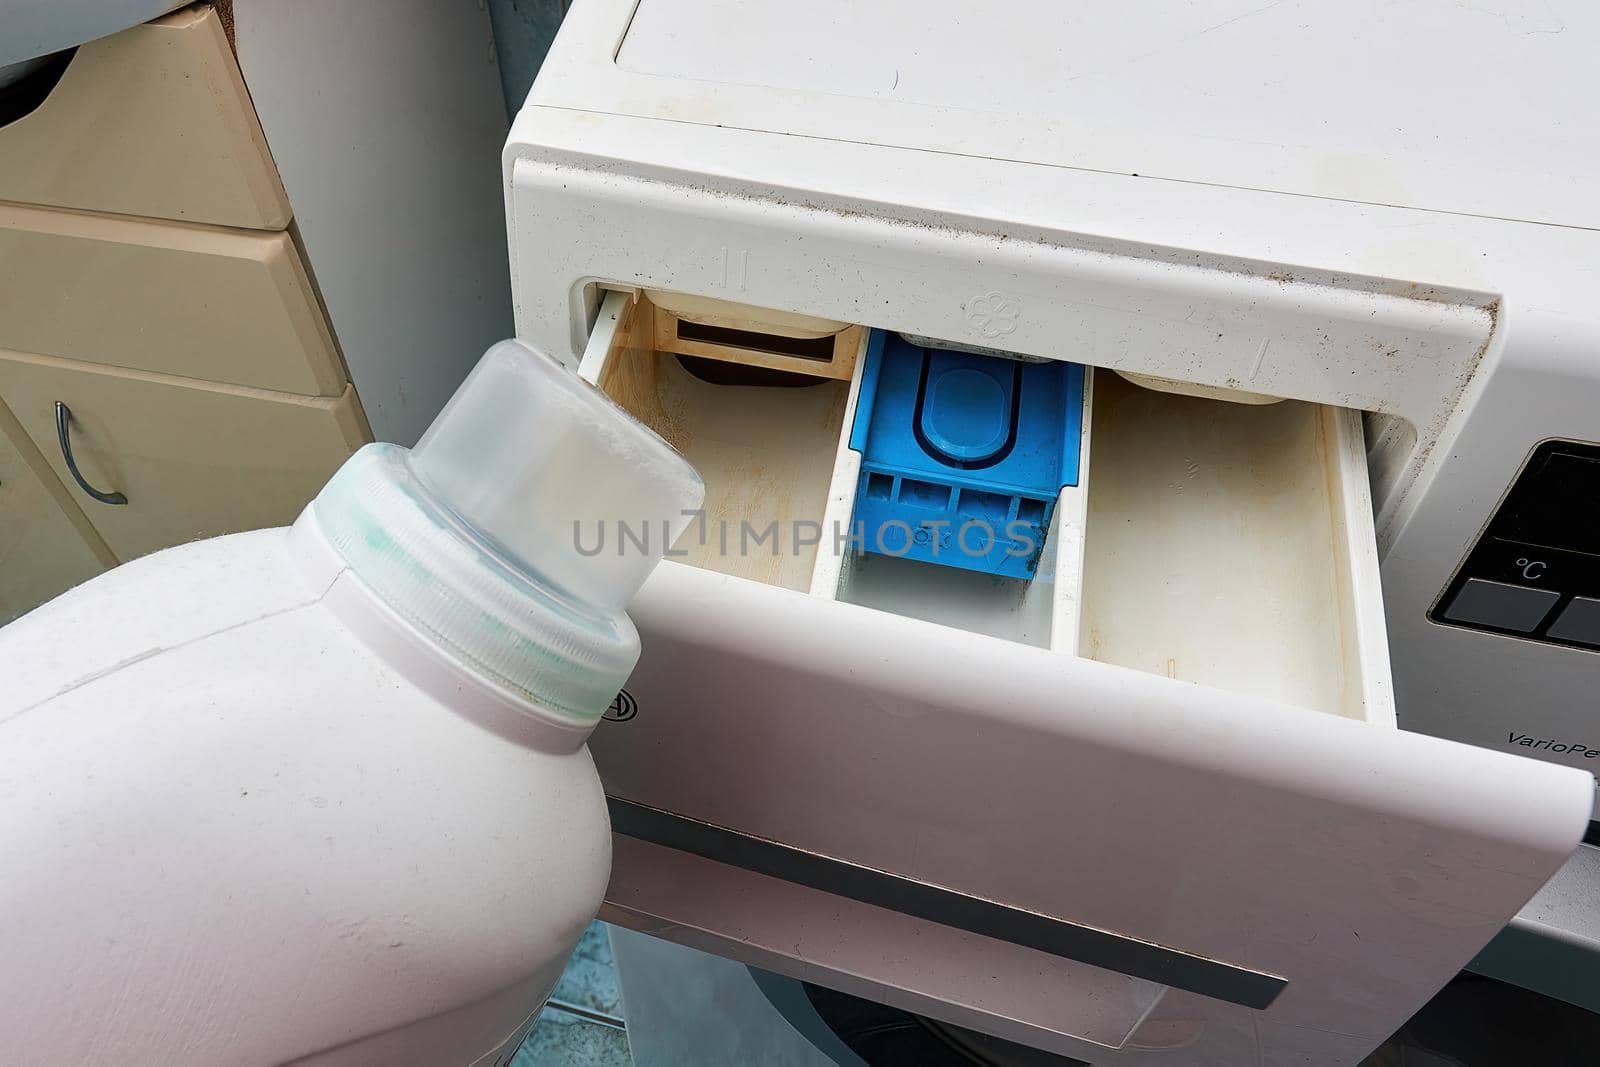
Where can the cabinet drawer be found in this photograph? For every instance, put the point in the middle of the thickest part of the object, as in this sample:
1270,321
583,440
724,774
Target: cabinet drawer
193,460
151,121
213,304
1164,774
46,544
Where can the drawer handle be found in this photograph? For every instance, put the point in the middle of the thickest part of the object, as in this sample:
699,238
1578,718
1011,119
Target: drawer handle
63,418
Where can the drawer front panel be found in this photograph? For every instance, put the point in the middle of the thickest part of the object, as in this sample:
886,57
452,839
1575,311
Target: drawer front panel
193,461
46,544
216,305
1361,865
1231,824
153,121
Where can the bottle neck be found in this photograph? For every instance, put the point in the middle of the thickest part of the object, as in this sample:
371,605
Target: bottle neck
418,658
424,566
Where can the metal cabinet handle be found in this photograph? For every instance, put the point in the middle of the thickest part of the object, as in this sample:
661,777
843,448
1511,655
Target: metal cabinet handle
63,417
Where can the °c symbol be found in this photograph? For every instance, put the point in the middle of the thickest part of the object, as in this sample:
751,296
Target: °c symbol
1532,569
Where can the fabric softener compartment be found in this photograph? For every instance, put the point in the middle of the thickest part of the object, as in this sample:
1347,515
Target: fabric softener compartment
963,454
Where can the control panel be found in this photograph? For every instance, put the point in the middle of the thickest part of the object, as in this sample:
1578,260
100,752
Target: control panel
1535,570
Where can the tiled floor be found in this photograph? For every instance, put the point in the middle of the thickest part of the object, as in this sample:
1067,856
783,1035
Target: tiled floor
582,1023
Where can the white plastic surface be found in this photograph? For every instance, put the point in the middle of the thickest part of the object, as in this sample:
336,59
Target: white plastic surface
1088,266
1363,865
236,833
1368,100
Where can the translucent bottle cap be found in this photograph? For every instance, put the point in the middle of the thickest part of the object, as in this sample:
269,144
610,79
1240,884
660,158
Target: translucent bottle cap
497,535
549,471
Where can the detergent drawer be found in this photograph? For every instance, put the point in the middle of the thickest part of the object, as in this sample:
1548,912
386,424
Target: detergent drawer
1152,798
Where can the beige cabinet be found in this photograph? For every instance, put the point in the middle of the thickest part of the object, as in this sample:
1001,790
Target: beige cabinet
46,544
151,286
161,211
197,301
193,459
152,121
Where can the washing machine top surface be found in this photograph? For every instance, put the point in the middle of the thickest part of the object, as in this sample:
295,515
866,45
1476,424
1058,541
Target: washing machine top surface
1476,109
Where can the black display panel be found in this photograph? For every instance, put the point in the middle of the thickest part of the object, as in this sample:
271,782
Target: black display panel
1535,570
1555,504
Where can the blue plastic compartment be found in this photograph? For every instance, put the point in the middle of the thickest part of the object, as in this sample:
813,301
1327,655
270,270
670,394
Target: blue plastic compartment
962,455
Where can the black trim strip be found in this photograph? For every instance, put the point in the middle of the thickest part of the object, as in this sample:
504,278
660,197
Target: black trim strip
1069,940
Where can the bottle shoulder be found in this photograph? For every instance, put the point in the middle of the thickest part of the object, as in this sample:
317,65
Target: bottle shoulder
157,602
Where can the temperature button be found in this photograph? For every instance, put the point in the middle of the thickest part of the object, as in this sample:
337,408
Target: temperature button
1579,622
1504,607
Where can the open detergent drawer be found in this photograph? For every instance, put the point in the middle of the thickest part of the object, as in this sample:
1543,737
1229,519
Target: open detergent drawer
1151,799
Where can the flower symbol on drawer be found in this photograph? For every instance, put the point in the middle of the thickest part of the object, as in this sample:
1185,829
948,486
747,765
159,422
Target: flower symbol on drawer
993,314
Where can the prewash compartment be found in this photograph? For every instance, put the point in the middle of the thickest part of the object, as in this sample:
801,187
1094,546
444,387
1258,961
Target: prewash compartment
762,434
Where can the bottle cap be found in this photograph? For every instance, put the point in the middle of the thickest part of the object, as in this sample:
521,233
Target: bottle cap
498,535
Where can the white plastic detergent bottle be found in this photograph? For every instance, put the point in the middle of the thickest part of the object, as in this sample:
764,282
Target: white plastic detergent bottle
320,795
